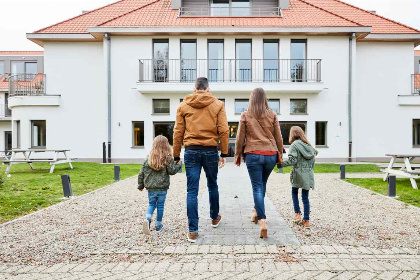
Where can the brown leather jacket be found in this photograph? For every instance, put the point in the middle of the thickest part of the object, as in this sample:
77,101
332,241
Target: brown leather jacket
252,137
201,120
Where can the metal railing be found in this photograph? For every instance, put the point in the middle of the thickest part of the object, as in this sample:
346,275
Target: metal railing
27,84
230,11
415,84
230,70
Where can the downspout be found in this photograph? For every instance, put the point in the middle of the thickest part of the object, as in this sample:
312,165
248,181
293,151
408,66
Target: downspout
109,94
352,38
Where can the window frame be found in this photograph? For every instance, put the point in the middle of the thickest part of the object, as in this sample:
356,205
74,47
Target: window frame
293,122
240,99
325,134
275,99
2,72
163,122
153,106
133,144
414,132
306,107
32,135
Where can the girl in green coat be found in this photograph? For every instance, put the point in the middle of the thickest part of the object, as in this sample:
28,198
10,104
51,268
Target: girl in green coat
302,158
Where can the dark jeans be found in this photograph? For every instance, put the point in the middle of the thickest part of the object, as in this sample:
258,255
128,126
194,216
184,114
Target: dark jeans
305,201
259,169
156,200
194,161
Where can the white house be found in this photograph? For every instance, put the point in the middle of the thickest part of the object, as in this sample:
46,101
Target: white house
117,75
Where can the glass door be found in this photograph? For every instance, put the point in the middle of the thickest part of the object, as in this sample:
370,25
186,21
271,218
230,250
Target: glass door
188,60
243,60
215,60
161,60
298,62
271,60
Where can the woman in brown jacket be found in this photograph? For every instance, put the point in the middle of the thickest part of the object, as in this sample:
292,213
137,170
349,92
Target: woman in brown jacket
259,141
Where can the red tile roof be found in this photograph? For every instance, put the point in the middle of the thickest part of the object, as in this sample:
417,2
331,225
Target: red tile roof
6,53
158,13
4,84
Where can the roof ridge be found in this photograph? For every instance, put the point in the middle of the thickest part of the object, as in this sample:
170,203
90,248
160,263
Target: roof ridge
120,16
94,10
366,11
322,9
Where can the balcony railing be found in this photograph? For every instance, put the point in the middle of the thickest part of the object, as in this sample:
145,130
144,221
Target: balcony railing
230,70
415,84
230,11
27,84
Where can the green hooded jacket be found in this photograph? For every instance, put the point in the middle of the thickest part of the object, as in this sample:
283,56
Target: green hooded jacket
157,180
302,158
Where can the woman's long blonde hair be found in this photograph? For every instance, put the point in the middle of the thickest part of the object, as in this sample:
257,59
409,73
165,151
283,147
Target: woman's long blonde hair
258,104
297,133
158,157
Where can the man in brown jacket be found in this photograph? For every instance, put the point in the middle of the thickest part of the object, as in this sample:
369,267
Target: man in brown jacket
200,123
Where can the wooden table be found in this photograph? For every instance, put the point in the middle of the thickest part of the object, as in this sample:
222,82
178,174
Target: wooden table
407,169
27,158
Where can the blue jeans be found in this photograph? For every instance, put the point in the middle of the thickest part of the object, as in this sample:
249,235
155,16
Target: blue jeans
259,169
305,201
194,161
156,200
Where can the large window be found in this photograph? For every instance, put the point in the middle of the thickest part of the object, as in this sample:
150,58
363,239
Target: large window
188,60
416,133
138,134
298,106
230,7
1,68
233,129
271,60
285,129
23,67
321,134
17,134
166,129
298,63
215,56
161,106
7,141
161,60
39,134
241,105
274,105
243,60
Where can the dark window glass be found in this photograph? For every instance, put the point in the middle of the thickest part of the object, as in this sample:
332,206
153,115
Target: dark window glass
18,134
298,63
188,60
321,133
274,105
241,105
243,60
215,56
8,141
161,106
160,60
165,129
271,60
298,106
416,132
39,134
285,129
233,129
138,134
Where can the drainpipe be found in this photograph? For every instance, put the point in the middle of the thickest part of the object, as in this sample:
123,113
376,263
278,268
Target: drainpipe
109,94
351,41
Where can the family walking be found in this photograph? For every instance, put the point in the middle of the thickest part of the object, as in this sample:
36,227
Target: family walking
201,125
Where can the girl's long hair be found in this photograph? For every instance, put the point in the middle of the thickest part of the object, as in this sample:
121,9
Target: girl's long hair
297,133
258,104
158,157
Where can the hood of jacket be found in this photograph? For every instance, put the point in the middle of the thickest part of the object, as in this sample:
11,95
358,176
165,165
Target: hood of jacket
200,99
307,151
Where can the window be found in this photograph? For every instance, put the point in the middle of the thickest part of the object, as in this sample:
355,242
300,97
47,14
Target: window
320,133
215,56
7,141
298,63
161,60
166,129
240,8
7,111
219,7
161,106
1,68
138,134
274,105
416,133
230,7
241,105
243,60
188,60
271,60
22,67
233,129
18,134
298,106
39,134
285,129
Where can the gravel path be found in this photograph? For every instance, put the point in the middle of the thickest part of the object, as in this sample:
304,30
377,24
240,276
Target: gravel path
345,214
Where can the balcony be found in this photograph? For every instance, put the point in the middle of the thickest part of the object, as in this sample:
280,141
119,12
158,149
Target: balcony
27,84
278,75
415,84
257,11
412,99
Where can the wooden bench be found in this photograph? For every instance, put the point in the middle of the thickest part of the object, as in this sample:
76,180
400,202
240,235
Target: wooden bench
406,169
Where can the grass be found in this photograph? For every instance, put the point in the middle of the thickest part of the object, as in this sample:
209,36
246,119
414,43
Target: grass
27,190
335,168
405,191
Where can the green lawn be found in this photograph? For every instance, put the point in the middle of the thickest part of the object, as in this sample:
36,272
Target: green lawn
335,168
405,191
29,190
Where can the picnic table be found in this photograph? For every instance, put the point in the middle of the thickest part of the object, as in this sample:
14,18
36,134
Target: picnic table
406,169
27,158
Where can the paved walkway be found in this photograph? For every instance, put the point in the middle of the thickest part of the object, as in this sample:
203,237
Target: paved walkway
236,204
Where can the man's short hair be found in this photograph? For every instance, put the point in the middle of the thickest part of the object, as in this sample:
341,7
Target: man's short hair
201,83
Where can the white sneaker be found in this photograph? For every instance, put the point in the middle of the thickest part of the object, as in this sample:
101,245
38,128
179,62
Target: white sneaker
146,227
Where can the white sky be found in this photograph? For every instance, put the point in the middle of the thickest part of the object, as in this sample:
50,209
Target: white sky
19,17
